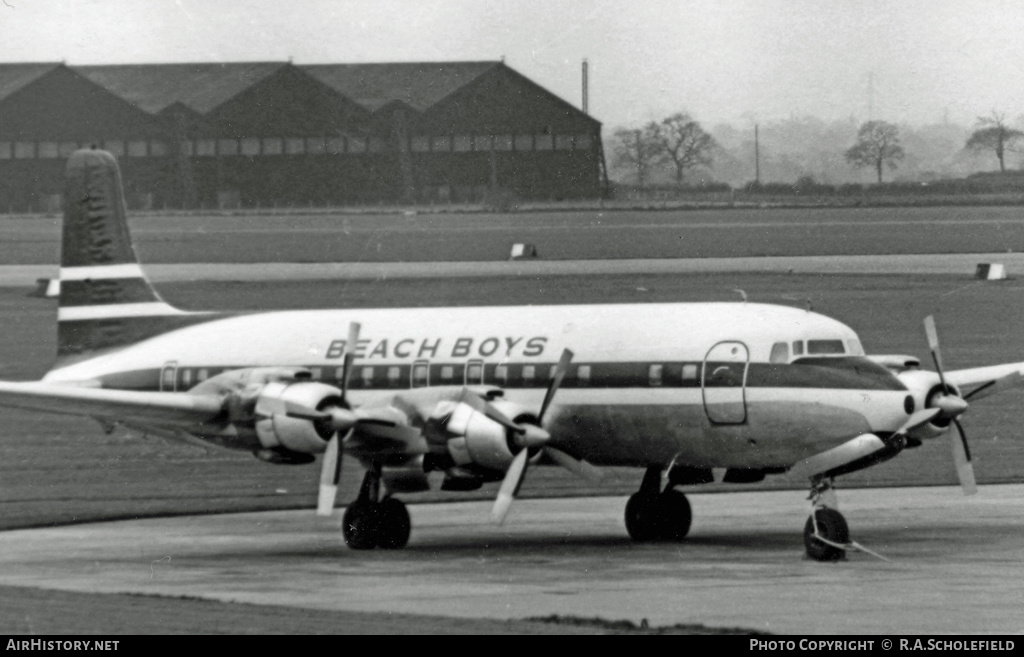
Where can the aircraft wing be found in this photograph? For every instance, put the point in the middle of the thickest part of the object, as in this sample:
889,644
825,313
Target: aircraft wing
121,405
978,379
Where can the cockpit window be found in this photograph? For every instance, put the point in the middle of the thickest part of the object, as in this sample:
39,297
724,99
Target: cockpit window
824,347
854,348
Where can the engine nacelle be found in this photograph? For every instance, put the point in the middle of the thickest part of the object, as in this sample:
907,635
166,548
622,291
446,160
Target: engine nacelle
276,429
478,439
924,387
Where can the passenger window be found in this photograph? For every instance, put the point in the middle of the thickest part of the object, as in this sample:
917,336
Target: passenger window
367,376
394,375
501,374
203,375
475,373
780,353
186,378
447,373
583,375
316,373
689,372
654,374
529,371
420,375
798,348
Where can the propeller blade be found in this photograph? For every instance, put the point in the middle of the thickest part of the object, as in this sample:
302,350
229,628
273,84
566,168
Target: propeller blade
341,419
480,405
510,486
933,346
962,460
1011,380
578,467
556,380
330,473
918,419
351,346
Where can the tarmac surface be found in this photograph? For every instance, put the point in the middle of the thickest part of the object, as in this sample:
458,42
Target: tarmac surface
952,263
956,564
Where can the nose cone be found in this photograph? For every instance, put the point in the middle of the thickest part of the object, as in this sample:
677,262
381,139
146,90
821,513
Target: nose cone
950,405
533,436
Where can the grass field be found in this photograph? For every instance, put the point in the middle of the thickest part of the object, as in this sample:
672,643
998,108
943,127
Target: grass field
58,469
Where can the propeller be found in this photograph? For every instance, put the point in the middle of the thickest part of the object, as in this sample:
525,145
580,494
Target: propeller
532,436
952,406
342,419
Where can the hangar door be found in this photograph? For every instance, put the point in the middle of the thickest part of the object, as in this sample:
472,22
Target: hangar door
723,381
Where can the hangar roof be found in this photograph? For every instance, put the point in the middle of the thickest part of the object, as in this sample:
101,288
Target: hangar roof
417,84
200,87
15,76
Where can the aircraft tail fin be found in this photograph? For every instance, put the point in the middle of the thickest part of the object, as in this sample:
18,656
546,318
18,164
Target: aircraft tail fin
105,299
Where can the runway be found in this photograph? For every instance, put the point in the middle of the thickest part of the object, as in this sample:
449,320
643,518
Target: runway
953,263
957,564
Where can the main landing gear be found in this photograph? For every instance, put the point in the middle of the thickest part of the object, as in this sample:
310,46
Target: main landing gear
826,535
656,515
371,522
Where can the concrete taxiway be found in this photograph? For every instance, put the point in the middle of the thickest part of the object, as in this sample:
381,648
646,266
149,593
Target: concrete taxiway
957,564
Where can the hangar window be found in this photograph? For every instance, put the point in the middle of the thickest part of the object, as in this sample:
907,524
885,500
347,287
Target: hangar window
273,146
655,374
315,145
48,149
563,142
5,150
66,148
544,142
227,147
115,146
442,143
375,145
503,143
780,353
137,148
185,148
24,150
420,144
582,142
251,146
294,146
524,142
157,148
206,147
335,145
482,142
356,144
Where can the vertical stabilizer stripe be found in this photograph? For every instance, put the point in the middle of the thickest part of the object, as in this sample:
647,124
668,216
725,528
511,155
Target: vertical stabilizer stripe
129,270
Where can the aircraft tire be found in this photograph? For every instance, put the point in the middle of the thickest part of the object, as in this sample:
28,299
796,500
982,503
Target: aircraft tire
831,525
394,524
676,515
643,517
359,526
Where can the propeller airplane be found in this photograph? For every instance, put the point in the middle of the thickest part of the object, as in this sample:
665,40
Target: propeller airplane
692,393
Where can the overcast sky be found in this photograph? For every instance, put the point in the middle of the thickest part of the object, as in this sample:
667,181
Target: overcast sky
739,61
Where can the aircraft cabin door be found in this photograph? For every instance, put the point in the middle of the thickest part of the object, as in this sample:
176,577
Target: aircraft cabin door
723,382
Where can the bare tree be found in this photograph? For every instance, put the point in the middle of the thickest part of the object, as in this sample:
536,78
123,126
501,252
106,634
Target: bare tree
637,149
992,134
684,143
878,145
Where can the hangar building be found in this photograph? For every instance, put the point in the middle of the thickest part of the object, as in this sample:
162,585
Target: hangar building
278,134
